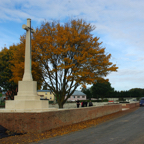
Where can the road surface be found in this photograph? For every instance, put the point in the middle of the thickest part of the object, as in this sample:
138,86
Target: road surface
128,129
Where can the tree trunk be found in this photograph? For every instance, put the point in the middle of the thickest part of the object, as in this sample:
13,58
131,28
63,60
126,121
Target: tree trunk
102,98
60,105
54,102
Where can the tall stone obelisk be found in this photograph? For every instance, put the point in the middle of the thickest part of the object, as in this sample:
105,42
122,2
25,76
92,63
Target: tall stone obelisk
27,98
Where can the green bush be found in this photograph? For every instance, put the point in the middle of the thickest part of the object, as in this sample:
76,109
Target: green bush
105,100
2,103
51,102
122,99
138,98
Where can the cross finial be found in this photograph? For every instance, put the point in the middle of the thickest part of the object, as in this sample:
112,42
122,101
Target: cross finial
28,27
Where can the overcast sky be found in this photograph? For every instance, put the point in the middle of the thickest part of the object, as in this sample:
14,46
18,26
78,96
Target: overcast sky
119,24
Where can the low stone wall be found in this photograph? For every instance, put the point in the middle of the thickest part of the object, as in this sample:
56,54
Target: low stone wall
39,122
73,105
130,105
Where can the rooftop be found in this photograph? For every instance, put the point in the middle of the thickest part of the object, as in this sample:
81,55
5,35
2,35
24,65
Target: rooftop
78,93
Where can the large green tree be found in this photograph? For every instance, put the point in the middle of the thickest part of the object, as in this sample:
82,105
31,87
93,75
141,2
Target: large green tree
6,74
87,92
101,89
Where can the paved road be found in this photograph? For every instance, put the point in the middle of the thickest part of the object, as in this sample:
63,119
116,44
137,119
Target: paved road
128,129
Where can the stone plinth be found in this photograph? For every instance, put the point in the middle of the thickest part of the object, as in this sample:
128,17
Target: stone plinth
27,98
27,88
26,104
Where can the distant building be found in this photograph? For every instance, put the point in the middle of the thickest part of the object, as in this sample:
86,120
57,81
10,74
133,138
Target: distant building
77,95
46,94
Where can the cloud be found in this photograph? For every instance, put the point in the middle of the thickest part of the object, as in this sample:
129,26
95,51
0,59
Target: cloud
119,24
127,78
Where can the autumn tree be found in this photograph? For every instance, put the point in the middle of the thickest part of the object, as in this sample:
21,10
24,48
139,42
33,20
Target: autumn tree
6,74
18,51
45,86
70,56
12,68
11,93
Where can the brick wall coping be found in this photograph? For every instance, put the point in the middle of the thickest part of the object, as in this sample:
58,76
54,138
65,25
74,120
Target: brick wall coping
3,110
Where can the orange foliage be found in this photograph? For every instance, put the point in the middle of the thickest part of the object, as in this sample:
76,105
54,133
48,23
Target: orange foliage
70,56
18,63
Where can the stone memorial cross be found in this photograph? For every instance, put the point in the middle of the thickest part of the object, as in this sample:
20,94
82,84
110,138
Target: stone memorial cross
27,98
27,69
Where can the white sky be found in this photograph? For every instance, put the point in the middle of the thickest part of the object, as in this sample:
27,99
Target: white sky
119,24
